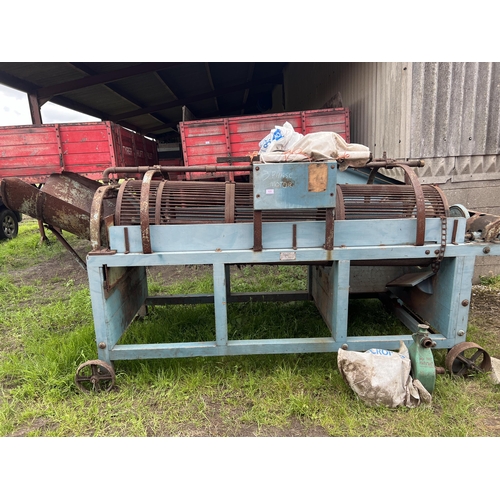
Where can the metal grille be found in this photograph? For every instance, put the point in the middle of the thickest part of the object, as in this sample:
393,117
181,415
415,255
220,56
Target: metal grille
386,202
185,202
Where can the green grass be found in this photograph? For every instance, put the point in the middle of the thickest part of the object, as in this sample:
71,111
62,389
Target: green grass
26,250
43,342
491,281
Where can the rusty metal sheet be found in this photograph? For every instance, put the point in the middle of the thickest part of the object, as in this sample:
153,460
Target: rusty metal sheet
75,190
317,177
27,199
144,210
97,230
487,225
229,202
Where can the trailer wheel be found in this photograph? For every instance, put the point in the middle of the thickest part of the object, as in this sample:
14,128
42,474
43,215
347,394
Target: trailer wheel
8,225
95,376
467,359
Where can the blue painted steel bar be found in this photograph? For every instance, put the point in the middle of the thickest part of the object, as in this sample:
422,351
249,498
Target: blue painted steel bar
275,256
339,290
227,277
220,302
266,346
114,310
208,298
277,235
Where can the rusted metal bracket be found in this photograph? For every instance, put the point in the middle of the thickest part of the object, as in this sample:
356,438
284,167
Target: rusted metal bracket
229,203
68,247
96,216
329,223
257,230
166,169
487,225
411,178
144,210
119,198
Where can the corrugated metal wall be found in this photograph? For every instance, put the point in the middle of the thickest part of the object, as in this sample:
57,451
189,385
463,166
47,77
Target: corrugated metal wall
455,120
455,109
446,113
377,94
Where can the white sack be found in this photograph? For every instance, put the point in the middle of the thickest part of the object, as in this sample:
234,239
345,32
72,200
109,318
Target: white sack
320,146
279,139
382,378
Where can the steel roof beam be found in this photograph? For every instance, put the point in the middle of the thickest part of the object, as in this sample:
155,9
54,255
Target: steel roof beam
88,81
247,91
68,103
174,125
17,83
276,79
35,112
115,90
209,74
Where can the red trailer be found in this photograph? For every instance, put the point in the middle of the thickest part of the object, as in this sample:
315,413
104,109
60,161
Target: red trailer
33,152
206,142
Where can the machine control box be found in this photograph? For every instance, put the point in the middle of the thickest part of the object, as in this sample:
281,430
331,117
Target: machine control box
280,186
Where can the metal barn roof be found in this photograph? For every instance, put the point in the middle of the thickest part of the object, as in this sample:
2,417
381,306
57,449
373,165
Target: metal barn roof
148,97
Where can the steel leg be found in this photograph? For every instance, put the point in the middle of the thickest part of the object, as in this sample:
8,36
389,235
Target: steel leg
220,302
339,291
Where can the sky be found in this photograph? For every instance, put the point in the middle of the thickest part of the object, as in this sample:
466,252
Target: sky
14,110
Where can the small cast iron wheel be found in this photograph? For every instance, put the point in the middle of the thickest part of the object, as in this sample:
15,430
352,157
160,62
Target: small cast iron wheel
466,359
95,376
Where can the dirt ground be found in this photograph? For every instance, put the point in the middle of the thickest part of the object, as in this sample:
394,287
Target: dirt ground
485,308
49,274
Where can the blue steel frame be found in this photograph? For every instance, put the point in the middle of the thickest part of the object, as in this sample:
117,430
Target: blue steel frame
118,281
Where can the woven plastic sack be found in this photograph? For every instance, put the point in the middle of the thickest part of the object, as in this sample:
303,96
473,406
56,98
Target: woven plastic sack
382,378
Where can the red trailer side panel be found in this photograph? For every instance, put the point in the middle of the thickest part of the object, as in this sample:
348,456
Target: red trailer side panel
33,152
203,141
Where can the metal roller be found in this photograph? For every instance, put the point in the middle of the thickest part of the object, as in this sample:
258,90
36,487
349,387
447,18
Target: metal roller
190,202
372,201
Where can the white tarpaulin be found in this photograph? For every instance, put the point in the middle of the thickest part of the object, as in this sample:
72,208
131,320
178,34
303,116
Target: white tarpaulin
283,144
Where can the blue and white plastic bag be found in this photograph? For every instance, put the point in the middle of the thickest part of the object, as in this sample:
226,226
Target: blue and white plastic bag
281,138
